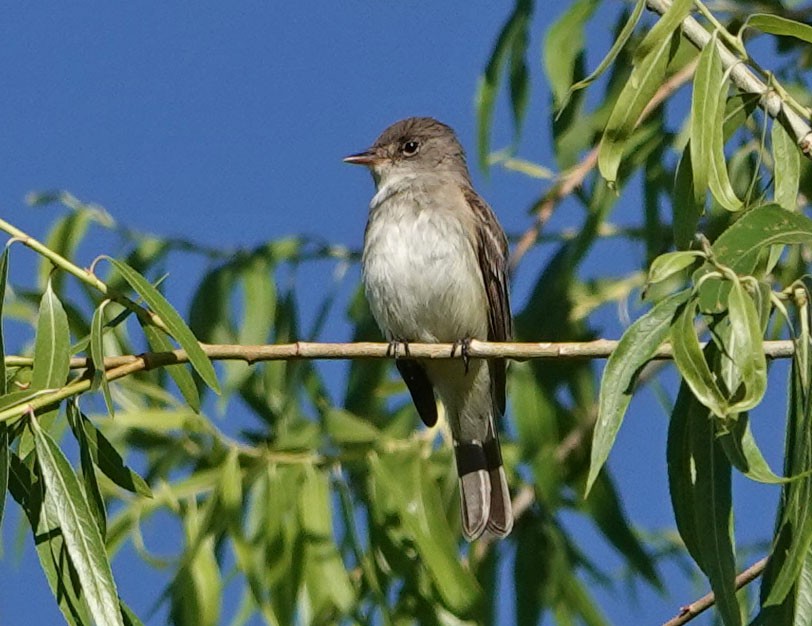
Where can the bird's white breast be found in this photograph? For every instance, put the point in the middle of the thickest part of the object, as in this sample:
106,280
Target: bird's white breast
421,273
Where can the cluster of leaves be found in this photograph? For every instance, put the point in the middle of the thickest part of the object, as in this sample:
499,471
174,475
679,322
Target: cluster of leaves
724,172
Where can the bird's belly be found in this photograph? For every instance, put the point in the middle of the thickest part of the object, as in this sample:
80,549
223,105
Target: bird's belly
422,279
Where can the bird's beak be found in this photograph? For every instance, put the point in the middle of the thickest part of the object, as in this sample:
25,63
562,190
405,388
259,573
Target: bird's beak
367,157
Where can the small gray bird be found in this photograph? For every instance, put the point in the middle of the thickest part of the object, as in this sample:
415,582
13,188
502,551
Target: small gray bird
435,271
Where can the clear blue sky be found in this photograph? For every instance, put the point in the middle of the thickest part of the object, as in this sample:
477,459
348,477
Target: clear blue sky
226,123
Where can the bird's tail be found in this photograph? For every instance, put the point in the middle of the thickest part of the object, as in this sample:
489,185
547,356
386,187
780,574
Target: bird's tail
483,487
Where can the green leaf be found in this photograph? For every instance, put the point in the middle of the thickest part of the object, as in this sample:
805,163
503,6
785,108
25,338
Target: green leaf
4,465
707,130
509,49
563,43
90,483
81,534
97,356
634,350
25,485
776,25
52,344
791,545
692,364
707,77
174,323
326,579
648,73
347,428
740,246
699,477
400,479
159,342
670,263
746,348
3,280
619,43
786,167
109,461
744,454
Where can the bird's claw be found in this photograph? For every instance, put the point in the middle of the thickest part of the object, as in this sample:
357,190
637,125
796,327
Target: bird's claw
394,348
464,346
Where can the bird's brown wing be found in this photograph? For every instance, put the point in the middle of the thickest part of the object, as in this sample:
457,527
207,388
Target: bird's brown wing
492,252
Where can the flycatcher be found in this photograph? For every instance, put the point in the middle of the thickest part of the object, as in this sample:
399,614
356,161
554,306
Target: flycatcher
435,271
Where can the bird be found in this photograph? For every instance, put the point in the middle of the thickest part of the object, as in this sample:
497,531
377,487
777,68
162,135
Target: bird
435,270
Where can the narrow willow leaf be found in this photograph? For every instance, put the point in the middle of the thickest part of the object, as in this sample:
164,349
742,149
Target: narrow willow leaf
52,344
326,579
744,454
670,263
647,76
687,210
54,558
159,342
97,356
746,349
260,302
81,534
634,350
663,29
618,45
692,364
4,465
786,168
740,246
177,327
791,545
3,280
563,43
346,428
776,25
110,463
90,483
507,50
699,481
703,103
399,478
719,179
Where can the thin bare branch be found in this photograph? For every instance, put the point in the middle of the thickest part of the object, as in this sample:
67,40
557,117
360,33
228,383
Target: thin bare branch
689,612
598,349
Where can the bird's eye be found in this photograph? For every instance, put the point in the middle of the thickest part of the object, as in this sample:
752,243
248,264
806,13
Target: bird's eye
410,148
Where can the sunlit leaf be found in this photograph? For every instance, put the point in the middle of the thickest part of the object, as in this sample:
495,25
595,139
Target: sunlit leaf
82,536
97,356
777,25
563,42
786,167
699,479
52,345
634,350
174,323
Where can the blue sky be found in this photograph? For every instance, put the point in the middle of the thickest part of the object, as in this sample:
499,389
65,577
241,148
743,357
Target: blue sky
226,124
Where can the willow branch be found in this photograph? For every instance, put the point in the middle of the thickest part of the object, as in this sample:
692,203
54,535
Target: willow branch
598,349
119,367
744,78
689,612
84,275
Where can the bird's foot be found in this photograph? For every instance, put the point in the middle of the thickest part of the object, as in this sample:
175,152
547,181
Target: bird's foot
464,346
395,346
